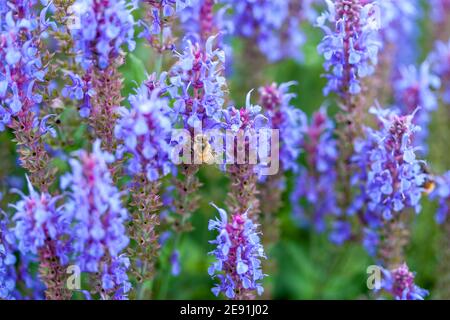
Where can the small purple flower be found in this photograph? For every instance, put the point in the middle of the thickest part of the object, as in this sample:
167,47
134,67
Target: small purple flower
440,11
442,194
145,131
416,88
238,254
400,284
341,232
350,45
8,276
102,28
316,182
273,24
39,219
175,263
282,116
80,89
440,64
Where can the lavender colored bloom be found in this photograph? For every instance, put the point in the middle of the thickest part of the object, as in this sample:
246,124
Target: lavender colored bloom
273,24
145,130
248,121
415,88
80,89
399,28
238,254
8,274
400,284
350,45
440,64
389,177
114,277
101,29
442,193
175,263
98,218
371,240
316,182
38,220
21,70
281,115
440,10
341,232
197,85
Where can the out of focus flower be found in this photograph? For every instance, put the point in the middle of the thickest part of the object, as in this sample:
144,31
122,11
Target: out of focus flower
440,10
389,177
238,254
399,28
414,89
145,130
102,28
273,24
400,284
80,89
341,231
282,116
175,263
39,220
98,217
350,45
8,274
442,193
317,181
440,64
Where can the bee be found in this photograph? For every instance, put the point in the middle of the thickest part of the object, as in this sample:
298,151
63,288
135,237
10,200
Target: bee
203,150
428,185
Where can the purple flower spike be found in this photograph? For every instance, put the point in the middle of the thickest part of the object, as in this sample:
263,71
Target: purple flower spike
238,254
101,28
400,284
350,45
442,193
98,217
316,182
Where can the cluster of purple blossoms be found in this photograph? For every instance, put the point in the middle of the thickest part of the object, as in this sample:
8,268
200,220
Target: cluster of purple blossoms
273,24
100,28
197,85
97,216
350,45
160,15
440,61
80,89
281,115
145,130
39,220
440,10
316,182
21,70
442,193
200,21
388,176
248,121
7,260
400,284
414,88
399,28
238,254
